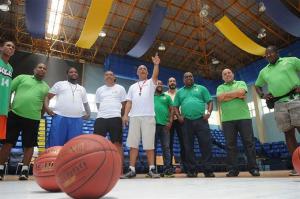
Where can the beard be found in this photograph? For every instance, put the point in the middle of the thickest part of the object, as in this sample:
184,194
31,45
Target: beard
172,86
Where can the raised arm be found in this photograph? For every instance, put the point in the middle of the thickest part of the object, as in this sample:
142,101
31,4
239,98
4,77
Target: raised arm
155,73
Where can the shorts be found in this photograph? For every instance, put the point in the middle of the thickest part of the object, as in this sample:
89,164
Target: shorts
287,115
113,126
28,127
141,128
64,129
3,121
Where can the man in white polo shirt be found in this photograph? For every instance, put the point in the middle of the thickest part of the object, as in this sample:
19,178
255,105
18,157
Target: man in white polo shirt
68,111
110,101
140,109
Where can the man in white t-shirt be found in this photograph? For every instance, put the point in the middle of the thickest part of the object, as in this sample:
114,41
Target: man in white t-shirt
176,126
110,101
140,109
68,111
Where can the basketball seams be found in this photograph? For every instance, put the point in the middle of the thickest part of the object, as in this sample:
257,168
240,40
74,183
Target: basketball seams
111,174
96,170
88,152
98,153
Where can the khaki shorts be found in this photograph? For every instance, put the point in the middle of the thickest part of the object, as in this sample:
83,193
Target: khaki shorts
142,127
287,115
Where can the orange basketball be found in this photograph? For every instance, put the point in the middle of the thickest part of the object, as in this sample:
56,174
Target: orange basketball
43,169
296,160
88,166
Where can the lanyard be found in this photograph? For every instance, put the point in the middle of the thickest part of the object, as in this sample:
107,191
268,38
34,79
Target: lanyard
141,87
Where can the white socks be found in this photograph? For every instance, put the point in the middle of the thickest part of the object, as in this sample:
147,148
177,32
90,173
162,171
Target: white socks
132,168
24,168
151,167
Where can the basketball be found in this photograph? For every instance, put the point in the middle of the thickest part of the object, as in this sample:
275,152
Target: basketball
88,166
43,169
296,159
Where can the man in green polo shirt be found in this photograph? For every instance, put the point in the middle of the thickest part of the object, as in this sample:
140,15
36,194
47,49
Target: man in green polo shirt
236,120
30,92
281,77
163,117
192,99
7,50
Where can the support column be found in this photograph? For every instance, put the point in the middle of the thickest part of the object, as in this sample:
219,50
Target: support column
259,116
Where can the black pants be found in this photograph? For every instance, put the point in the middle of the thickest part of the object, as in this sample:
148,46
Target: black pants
177,128
231,130
198,128
163,135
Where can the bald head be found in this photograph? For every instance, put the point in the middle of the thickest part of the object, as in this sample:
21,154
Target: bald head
142,72
227,75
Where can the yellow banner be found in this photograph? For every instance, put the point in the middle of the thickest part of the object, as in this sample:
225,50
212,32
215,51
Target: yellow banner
238,38
94,22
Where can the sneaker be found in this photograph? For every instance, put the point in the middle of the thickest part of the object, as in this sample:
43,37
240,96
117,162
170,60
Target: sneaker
192,174
24,175
152,174
169,175
1,174
129,174
232,173
254,172
293,173
209,175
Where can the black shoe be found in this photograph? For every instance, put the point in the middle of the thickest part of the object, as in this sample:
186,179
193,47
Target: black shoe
1,174
254,172
152,174
192,174
233,173
24,175
129,174
209,175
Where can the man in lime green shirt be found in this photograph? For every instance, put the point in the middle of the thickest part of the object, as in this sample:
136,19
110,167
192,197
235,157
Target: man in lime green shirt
192,99
163,117
6,70
281,76
236,120
30,92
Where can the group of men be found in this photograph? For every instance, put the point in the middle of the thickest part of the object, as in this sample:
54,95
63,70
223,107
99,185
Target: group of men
151,114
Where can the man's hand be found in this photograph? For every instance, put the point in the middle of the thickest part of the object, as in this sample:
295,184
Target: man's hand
156,60
206,116
50,112
267,96
125,120
180,119
169,125
297,89
86,116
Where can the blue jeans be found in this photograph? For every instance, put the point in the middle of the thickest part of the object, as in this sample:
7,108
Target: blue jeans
162,133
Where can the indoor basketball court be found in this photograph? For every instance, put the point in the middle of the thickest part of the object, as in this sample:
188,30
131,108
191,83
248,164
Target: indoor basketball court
167,99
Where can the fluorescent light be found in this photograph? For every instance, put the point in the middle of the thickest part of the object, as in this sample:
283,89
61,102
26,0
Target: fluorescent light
161,47
4,7
55,16
215,61
102,34
261,7
204,11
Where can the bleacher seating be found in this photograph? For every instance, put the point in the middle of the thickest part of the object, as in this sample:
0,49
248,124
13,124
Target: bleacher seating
266,150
